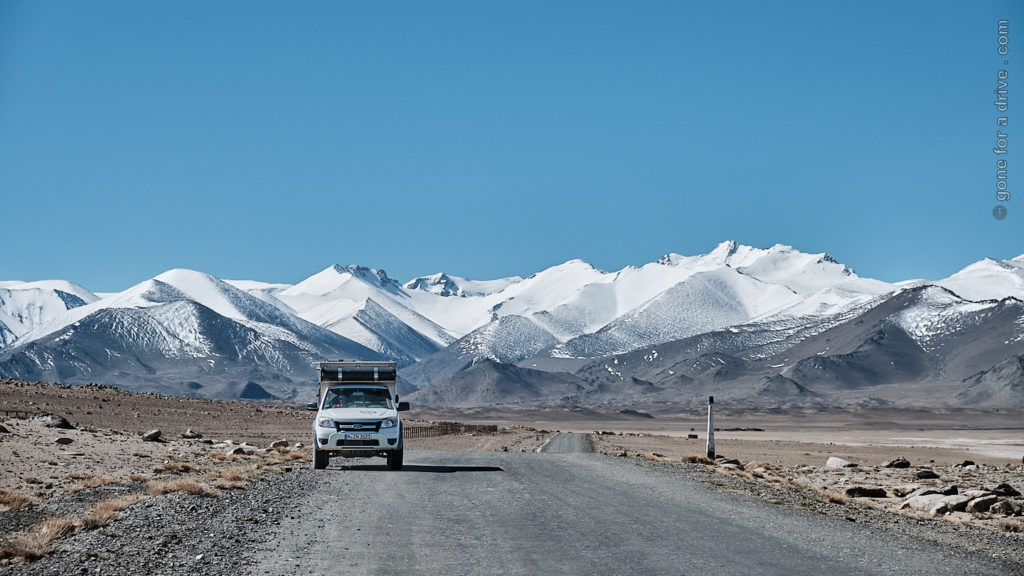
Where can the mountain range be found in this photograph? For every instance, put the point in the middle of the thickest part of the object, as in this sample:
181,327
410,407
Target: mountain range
771,327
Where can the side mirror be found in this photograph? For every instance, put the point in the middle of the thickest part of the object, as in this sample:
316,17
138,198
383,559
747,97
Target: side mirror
311,406
403,406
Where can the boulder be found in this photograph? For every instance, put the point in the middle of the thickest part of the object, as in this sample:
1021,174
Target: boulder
279,444
1005,489
899,462
972,494
979,505
966,463
834,462
1005,508
236,451
950,490
63,440
905,490
865,492
925,475
929,490
52,421
298,446
731,466
931,503
4,430
191,435
152,436
956,503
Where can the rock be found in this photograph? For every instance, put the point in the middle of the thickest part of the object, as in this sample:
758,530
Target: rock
979,505
900,462
731,466
691,437
52,421
152,436
951,490
865,492
834,462
63,440
1005,489
248,448
191,435
298,446
279,444
972,494
236,451
956,503
905,490
1005,508
4,430
932,504
731,461
925,475
966,463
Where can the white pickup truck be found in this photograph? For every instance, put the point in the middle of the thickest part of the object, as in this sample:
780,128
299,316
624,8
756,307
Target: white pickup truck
357,413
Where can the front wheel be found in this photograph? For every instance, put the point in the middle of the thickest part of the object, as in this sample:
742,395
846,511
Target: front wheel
395,459
320,459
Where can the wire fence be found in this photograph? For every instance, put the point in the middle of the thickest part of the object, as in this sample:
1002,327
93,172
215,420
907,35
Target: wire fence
445,428
17,413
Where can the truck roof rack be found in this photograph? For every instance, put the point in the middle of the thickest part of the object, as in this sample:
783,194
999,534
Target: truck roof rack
356,371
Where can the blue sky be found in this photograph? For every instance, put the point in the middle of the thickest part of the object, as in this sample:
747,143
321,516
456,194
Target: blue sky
268,140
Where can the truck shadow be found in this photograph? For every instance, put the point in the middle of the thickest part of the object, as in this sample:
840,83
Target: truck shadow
435,469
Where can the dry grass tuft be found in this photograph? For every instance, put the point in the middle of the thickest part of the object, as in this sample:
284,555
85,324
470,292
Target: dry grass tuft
14,500
740,474
93,482
136,477
34,543
833,497
174,467
32,480
695,459
140,455
220,456
1012,526
302,456
185,485
282,450
106,511
234,477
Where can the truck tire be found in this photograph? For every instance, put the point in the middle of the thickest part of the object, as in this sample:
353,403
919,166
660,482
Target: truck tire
320,459
395,459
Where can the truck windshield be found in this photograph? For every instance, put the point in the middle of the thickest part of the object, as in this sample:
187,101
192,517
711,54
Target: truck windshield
357,398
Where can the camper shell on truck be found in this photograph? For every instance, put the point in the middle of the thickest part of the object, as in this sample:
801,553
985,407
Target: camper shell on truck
357,413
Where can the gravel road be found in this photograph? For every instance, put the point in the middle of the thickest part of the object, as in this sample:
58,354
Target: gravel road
572,513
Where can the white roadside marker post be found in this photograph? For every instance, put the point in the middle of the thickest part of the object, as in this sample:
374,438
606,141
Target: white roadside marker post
711,427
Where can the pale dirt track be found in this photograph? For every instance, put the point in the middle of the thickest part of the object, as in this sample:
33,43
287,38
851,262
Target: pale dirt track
571,513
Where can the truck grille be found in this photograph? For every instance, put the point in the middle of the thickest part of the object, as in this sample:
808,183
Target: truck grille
358,426
359,443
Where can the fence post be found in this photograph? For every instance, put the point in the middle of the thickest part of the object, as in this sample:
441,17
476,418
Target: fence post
711,427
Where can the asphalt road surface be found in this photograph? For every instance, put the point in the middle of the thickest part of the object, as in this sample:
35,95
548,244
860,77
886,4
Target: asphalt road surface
564,512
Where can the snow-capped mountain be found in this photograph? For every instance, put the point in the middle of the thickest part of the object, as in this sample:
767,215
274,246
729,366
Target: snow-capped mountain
916,347
444,285
182,332
742,315
27,305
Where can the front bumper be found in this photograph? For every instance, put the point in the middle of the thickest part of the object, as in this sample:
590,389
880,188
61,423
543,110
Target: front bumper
349,440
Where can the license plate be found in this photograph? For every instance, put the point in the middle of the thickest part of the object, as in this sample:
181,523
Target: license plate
358,436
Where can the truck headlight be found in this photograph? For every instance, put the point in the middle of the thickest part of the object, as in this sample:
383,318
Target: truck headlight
388,423
325,423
